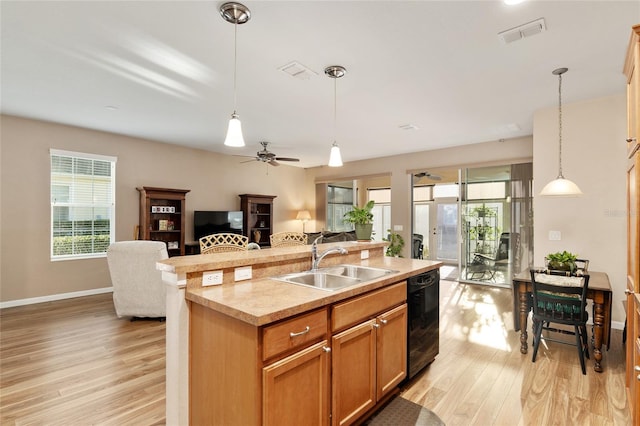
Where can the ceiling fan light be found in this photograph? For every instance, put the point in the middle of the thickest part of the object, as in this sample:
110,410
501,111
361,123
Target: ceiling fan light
561,187
335,159
234,132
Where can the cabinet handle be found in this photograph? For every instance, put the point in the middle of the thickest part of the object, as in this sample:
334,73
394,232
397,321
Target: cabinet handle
300,333
375,325
383,321
631,140
326,349
636,368
628,292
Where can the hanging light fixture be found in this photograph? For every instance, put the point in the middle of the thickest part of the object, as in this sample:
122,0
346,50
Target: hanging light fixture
335,72
235,13
560,187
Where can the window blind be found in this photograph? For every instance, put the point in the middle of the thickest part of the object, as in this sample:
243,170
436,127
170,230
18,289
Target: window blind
82,204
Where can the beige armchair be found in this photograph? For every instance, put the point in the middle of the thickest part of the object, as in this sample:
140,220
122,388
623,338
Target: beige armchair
138,290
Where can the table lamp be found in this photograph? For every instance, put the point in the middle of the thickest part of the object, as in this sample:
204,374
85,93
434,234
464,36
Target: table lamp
304,216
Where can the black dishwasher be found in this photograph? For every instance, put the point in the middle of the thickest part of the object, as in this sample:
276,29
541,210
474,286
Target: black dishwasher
423,298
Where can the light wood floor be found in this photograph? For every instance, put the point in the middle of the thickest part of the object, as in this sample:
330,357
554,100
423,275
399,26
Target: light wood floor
74,362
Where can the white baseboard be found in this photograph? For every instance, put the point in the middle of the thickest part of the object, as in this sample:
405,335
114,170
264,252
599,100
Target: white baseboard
53,297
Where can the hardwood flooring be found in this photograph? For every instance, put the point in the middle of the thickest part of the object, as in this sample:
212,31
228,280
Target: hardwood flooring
73,362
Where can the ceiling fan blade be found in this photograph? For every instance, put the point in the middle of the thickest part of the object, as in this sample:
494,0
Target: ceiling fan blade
273,163
250,161
287,159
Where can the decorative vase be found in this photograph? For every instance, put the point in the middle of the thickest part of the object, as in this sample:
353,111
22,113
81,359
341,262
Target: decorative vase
256,236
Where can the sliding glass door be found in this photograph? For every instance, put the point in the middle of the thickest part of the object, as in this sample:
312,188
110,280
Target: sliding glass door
495,217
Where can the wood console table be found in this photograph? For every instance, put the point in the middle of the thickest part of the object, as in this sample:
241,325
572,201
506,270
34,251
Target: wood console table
599,292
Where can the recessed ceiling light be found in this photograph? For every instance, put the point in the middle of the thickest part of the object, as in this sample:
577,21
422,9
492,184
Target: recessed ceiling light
512,2
111,107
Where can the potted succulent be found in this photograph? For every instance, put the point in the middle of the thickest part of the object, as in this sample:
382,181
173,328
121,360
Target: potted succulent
362,220
396,244
561,261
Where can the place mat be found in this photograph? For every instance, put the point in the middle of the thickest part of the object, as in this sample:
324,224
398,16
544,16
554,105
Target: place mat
402,412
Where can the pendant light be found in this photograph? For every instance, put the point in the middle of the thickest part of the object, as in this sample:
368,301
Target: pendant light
560,187
335,72
235,13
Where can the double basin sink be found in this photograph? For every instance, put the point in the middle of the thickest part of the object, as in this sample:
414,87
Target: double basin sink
335,277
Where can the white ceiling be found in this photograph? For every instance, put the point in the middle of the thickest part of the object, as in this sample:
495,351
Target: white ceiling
163,70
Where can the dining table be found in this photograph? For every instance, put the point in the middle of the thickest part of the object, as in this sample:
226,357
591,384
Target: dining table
599,292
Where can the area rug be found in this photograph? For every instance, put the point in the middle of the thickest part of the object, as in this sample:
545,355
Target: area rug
402,412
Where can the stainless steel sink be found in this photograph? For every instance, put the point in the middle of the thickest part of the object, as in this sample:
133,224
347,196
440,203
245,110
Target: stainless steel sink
363,273
335,277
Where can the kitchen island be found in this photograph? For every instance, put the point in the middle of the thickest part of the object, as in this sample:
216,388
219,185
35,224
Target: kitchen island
241,352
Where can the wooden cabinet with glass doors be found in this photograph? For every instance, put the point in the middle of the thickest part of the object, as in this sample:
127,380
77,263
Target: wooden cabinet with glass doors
632,72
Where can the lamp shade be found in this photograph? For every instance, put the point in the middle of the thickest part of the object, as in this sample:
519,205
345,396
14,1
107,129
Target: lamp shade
303,215
561,187
335,159
234,132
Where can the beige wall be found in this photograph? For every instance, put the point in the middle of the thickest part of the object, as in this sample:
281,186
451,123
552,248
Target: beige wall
593,226
214,180
594,157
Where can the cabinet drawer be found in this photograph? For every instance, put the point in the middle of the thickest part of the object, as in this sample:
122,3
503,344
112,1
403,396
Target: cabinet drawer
364,307
294,333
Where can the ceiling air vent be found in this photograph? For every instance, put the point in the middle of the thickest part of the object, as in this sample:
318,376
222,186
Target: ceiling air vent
297,70
526,30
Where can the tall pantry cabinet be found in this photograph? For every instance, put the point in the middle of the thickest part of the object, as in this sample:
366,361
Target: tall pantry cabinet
632,72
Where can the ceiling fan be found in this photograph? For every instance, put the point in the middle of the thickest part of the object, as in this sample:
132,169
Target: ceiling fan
269,157
428,175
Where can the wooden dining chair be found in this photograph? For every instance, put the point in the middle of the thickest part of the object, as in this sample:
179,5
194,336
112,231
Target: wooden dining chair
562,300
223,242
288,239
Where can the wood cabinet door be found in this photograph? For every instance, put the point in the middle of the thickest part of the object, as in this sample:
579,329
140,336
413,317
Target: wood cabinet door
353,364
296,388
391,349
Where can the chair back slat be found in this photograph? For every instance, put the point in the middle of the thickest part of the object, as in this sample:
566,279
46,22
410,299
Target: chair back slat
288,239
223,242
559,298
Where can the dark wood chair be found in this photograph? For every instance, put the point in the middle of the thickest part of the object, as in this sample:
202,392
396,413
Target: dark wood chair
560,299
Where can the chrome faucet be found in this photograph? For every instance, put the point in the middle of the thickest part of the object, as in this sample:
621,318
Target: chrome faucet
315,258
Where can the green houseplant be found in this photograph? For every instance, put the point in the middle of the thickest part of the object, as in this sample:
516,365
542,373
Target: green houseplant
362,220
561,261
396,244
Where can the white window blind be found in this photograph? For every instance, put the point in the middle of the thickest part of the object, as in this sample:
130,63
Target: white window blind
82,204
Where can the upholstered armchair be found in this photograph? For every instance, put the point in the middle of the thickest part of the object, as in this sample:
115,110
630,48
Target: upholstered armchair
138,290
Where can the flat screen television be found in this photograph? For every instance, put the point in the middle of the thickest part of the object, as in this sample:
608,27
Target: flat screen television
216,222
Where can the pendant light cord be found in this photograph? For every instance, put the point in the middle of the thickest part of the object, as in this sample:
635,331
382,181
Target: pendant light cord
235,63
335,108
560,126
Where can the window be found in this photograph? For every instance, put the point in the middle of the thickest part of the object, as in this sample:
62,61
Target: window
381,212
82,204
339,201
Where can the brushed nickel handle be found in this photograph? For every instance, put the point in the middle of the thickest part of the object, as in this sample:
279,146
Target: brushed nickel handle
300,333
628,292
384,321
326,349
376,325
636,368
631,140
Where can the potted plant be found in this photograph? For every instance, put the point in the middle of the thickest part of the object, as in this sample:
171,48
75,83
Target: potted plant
561,261
362,220
396,244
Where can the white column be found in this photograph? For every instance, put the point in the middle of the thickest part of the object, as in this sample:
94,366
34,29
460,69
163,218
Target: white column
177,351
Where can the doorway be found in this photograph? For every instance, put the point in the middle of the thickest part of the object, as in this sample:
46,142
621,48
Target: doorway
480,220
